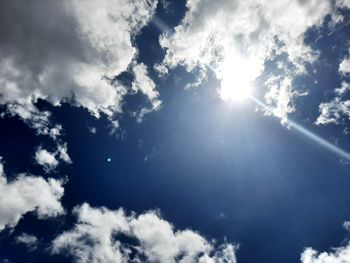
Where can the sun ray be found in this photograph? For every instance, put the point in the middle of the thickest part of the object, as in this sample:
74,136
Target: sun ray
312,136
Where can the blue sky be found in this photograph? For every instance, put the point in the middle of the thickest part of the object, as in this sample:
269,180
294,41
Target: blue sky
175,131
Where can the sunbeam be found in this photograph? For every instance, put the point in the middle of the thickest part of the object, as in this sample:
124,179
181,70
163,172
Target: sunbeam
300,129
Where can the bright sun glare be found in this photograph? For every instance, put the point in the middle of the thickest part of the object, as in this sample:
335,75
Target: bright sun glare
237,78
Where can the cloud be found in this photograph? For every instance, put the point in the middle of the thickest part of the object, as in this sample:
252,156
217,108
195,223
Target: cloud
344,66
235,38
67,51
346,225
50,160
343,3
279,97
38,120
62,153
30,241
340,255
146,86
338,108
333,111
28,193
100,236
46,159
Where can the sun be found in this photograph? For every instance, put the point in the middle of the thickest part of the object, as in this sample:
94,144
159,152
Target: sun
237,77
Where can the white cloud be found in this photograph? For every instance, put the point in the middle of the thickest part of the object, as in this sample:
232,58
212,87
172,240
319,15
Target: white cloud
46,159
338,108
62,153
344,67
346,225
69,58
95,238
50,160
30,241
333,111
343,3
38,120
340,255
146,86
235,38
27,193
345,87
279,97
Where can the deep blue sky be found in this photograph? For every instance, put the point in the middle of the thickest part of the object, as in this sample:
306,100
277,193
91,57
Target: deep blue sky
223,170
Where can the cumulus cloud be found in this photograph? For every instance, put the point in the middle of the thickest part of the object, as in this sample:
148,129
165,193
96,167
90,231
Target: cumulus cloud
28,193
68,51
344,66
338,108
46,159
30,241
99,233
340,255
235,38
50,160
333,111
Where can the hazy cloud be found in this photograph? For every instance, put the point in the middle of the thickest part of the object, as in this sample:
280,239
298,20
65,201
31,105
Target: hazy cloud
346,225
30,241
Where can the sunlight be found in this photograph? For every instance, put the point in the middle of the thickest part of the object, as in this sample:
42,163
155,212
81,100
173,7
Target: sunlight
237,77
312,136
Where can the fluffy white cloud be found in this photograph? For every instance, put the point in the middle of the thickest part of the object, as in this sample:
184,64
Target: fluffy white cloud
340,255
98,237
235,38
50,160
344,66
28,193
30,241
46,159
338,108
71,57
333,111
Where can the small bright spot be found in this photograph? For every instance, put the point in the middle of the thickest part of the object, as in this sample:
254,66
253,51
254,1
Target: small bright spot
109,160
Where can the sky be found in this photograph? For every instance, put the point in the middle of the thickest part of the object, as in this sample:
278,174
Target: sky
175,131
